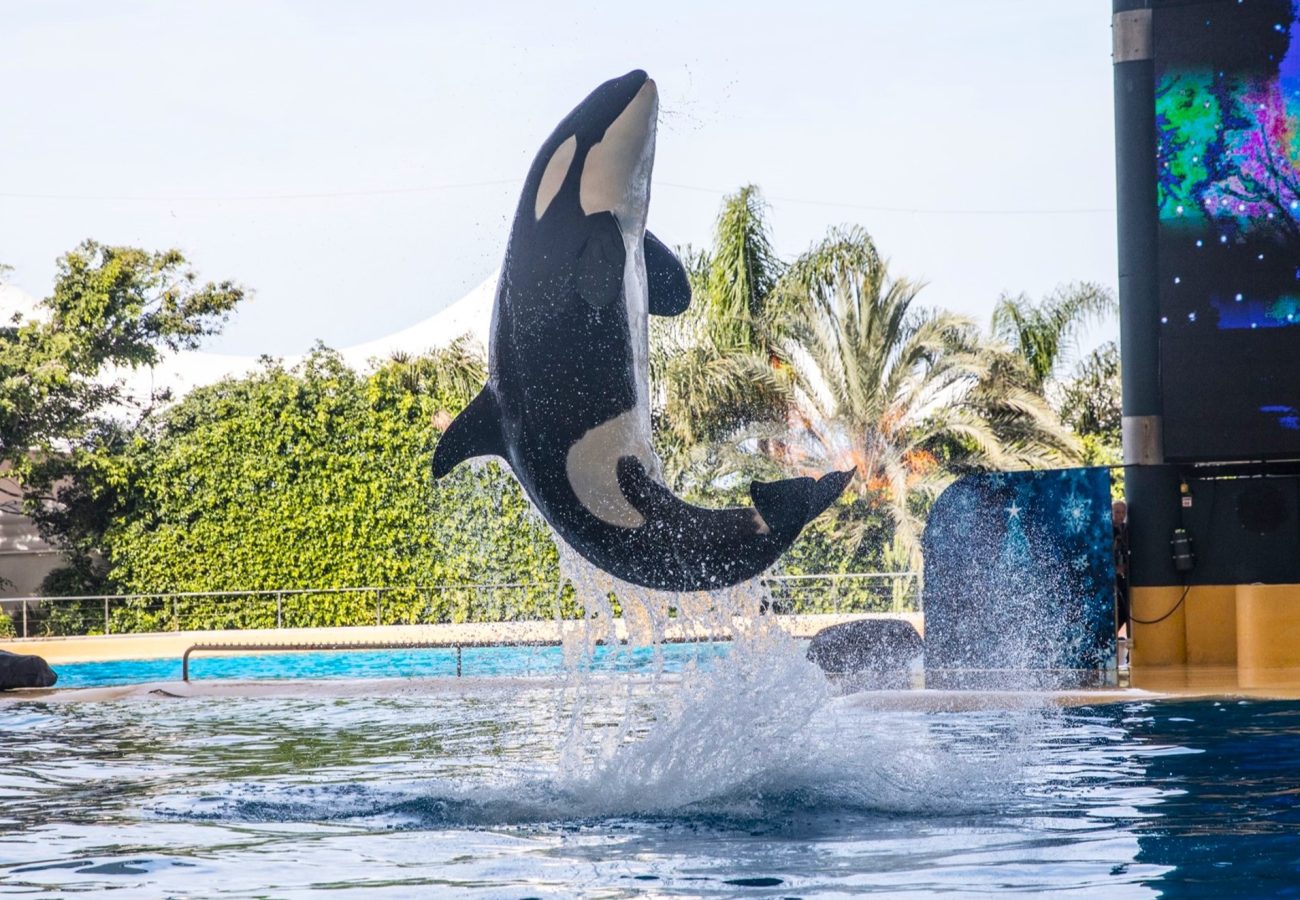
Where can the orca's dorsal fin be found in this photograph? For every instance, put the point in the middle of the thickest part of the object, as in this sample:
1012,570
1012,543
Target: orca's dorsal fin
475,432
667,284
787,506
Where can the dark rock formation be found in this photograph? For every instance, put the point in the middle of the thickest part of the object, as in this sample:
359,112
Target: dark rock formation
871,653
18,671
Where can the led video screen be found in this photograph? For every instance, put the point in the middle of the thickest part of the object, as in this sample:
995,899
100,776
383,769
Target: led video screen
1227,98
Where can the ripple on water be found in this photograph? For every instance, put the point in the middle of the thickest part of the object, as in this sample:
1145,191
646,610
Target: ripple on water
470,793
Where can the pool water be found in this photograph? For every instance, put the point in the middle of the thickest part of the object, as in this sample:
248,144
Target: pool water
461,790
355,664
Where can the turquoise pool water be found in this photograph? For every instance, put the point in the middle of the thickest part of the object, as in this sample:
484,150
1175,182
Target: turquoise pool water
380,664
746,774
461,793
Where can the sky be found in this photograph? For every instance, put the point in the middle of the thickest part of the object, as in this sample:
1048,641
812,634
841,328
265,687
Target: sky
356,165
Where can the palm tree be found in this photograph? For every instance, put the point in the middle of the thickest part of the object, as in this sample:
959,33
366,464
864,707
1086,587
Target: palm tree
715,368
1045,333
827,364
735,280
900,394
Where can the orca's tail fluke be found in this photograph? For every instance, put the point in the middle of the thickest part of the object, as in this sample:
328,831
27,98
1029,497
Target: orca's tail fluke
475,432
787,506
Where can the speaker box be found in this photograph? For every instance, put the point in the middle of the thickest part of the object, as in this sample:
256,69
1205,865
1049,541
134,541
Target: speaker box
1246,530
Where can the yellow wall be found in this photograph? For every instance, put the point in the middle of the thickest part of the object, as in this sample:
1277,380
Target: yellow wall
1250,626
1211,625
1268,626
1163,642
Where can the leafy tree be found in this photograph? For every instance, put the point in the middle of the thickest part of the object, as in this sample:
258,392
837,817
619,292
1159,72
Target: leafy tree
112,307
450,376
65,410
1090,400
1090,404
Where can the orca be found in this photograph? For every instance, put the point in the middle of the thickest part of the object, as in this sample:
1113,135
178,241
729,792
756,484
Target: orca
567,401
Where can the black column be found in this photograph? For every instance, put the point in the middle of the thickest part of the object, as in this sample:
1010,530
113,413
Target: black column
1150,486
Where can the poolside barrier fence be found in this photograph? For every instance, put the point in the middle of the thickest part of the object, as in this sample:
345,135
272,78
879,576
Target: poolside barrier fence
407,605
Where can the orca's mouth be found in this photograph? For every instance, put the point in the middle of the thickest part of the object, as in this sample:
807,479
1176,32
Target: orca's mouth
616,174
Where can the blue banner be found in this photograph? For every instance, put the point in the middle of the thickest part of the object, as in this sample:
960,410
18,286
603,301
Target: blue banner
1020,572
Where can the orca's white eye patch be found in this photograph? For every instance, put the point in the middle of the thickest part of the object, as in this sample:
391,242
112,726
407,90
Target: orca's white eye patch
553,175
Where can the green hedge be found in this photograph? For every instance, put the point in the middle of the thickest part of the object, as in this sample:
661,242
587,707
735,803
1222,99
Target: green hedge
309,478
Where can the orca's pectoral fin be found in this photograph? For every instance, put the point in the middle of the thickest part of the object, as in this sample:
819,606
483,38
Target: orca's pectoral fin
669,288
599,276
475,432
787,506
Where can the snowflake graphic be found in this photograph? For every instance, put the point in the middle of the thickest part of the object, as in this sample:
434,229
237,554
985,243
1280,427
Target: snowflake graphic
1075,512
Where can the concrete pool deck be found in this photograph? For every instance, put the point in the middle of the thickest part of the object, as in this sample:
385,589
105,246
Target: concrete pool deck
1167,685
1143,682
918,700
171,644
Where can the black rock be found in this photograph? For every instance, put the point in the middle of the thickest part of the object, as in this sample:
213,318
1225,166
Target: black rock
875,652
18,671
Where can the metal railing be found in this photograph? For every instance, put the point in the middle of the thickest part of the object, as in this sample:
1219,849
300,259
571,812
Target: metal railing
407,605
458,645
845,592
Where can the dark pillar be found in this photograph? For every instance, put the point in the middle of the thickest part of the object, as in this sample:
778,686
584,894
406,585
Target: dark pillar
1150,486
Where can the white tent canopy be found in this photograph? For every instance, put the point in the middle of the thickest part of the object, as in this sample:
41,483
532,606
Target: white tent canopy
15,303
182,372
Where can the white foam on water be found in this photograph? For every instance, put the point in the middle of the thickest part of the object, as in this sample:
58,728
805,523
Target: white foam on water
720,755
759,722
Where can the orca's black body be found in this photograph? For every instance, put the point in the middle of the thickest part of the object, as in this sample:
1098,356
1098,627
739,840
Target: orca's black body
566,404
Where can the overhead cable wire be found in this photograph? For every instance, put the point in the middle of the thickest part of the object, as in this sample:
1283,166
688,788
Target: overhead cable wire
424,189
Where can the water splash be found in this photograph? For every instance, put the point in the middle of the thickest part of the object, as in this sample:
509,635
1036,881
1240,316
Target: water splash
842,760
754,737
759,723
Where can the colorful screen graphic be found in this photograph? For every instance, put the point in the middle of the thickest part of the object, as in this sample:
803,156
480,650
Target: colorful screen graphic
1228,186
